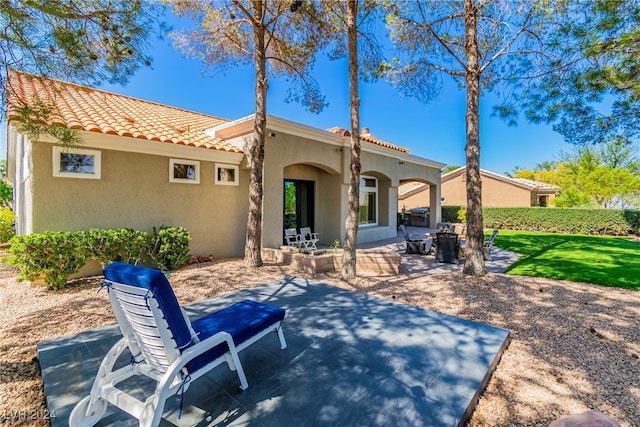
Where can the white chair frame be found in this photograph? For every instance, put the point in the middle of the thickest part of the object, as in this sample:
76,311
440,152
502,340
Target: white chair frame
292,238
486,246
147,335
308,238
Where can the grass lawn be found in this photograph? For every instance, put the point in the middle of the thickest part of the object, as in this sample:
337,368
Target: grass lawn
603,260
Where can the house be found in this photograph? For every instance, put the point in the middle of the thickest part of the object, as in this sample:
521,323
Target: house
143,164
497,191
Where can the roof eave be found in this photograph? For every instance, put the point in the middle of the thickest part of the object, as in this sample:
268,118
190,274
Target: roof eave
244,126
151,147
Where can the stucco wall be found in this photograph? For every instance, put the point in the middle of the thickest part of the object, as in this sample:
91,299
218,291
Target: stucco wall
495,193
292,157
295,157
134,191
420,200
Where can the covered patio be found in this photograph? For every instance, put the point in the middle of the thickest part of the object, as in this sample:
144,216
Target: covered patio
352,359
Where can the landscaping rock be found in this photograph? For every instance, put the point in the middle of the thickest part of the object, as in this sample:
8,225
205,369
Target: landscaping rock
586,419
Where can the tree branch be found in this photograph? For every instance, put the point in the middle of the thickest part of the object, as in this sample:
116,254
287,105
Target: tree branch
442,42
246,13
508,45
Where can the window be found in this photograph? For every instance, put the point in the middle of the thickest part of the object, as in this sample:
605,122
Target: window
185,171
368,201
226,174
76,163
534,198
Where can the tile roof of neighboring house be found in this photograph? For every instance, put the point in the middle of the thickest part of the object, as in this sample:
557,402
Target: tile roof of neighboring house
369,138
537,185
410,188
540,187
95,110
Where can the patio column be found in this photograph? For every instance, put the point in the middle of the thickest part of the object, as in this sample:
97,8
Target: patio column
435,206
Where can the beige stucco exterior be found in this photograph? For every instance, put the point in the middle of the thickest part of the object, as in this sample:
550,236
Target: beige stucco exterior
295,151
497,191
134,189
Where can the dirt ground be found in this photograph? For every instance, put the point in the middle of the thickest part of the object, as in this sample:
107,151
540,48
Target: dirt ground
574,347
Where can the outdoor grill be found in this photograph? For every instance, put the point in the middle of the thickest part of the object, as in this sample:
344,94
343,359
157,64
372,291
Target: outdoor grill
420,217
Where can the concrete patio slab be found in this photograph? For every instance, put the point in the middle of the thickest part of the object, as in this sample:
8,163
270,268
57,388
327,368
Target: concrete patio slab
426,264
352,359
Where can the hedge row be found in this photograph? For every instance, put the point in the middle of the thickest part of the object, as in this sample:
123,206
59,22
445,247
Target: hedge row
450,213
617,222
53,256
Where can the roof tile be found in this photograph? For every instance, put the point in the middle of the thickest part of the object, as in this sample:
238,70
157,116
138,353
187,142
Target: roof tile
94,110
369,138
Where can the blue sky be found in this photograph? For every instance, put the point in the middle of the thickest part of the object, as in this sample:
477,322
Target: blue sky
435,131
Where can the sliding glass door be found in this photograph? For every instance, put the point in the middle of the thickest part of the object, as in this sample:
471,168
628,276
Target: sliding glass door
298,204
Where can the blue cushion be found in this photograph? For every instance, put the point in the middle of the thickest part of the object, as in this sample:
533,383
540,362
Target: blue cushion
157,283
242,320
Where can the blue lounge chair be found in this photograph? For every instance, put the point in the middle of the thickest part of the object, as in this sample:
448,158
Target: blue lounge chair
165,345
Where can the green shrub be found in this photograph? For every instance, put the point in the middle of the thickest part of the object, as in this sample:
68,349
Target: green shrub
7,219
53,256
462,214
614,222
169,247
50,256
633,219
122,244
451,213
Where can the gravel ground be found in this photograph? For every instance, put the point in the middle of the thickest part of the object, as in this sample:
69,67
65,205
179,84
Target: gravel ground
574,347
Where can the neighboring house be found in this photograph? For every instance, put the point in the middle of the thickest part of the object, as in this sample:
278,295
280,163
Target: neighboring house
142,164
497,191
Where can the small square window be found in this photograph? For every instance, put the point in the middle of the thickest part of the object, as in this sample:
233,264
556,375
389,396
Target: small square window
226,174
76,163
368,182
185,171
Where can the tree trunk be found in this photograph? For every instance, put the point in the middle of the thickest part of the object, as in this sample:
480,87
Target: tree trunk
255,148
351,224
474,260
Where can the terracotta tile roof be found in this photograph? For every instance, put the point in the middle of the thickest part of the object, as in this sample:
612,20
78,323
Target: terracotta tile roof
537,185
94,110
369,138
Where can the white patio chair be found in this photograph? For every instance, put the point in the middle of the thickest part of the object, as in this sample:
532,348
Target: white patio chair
291,237
165,346
486,246
308,238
